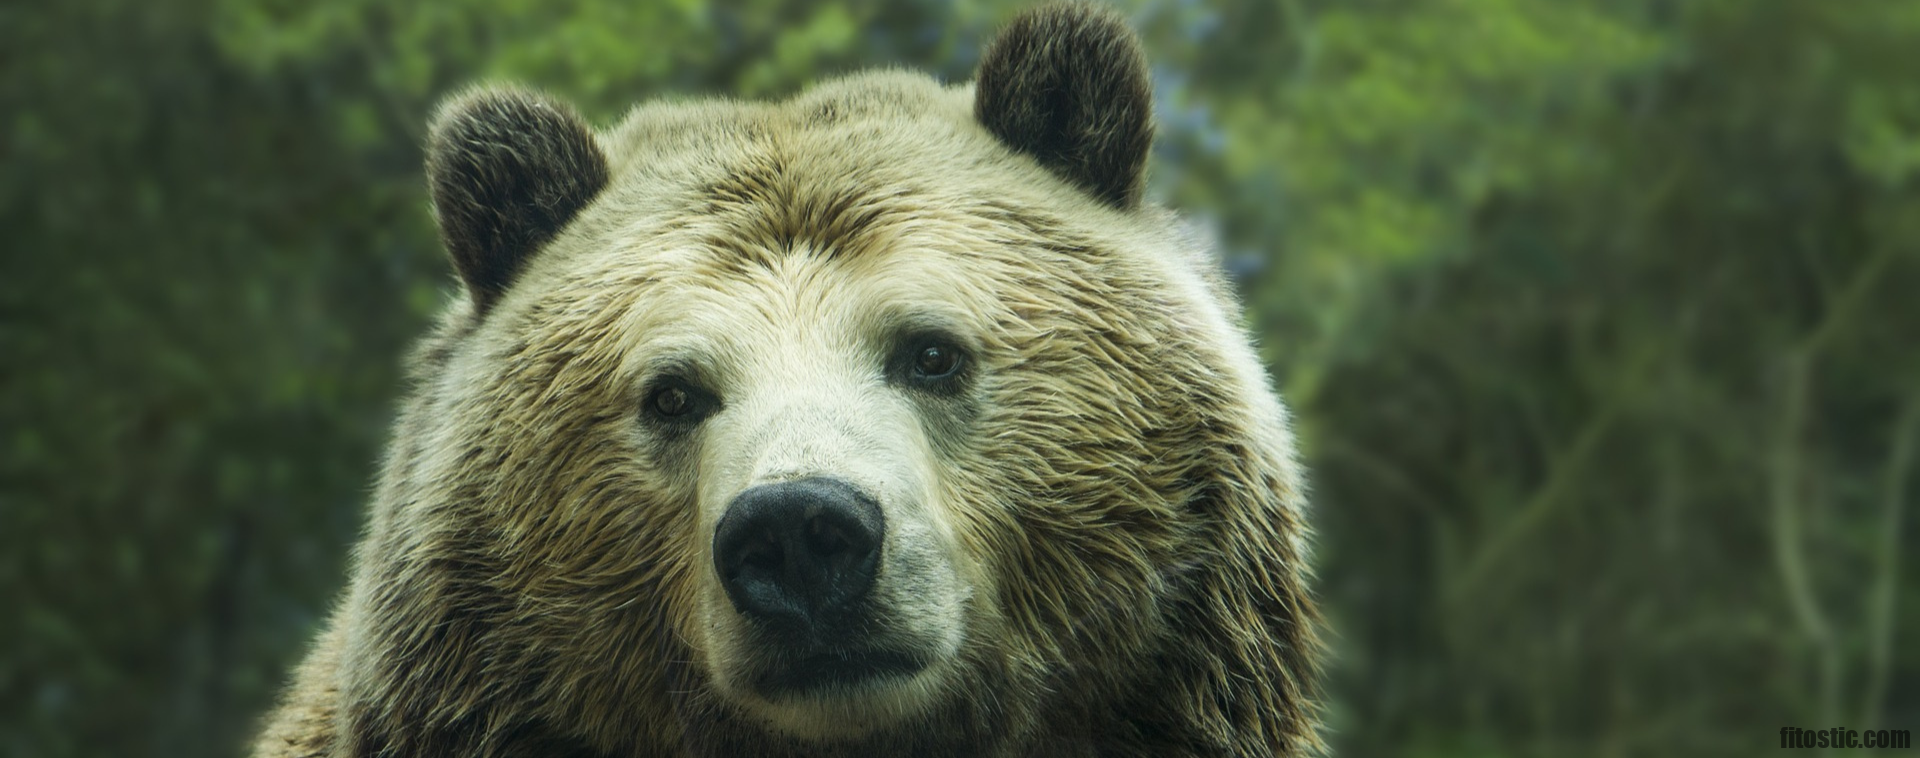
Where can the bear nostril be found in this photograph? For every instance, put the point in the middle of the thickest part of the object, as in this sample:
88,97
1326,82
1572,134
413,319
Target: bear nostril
759,554
827,538
799,555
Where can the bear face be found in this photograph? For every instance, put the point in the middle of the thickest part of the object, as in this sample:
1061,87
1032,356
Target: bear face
884,419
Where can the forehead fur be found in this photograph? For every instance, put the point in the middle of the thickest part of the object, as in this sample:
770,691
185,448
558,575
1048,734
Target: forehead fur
883,176
839,169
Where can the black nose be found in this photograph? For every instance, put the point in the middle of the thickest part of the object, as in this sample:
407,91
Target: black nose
799,556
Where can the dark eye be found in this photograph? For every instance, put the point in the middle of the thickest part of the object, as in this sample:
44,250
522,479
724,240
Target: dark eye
936,361
677,401
930,362
671,401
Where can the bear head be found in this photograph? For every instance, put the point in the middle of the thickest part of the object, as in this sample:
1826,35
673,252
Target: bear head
886,418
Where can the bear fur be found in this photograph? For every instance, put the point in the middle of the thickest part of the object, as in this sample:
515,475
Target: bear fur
951,302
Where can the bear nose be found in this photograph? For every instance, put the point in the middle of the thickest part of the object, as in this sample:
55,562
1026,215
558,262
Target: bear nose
799,556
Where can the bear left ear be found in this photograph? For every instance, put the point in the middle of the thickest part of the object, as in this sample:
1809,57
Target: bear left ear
1068,85
508,168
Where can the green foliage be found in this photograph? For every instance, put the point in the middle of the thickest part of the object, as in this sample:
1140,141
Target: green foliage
1593,313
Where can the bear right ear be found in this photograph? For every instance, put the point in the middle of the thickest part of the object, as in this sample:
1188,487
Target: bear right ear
508,168
1068,85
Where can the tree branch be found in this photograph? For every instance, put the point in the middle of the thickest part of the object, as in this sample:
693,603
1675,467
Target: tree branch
1880,612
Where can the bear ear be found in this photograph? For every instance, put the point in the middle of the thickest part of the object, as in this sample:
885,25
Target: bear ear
508,168
1067,84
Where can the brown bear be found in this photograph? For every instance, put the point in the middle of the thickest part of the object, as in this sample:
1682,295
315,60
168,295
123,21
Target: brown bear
884,420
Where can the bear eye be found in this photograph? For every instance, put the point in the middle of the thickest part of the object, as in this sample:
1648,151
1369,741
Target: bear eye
931,362
936,362
676,401
671,401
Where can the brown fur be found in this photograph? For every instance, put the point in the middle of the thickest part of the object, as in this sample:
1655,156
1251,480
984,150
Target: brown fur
508,169
1115,486
1068,85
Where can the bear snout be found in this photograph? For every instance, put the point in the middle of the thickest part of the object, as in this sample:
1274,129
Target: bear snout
798,558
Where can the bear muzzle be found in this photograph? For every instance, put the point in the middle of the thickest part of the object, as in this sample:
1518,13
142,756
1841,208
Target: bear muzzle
798,560
798,557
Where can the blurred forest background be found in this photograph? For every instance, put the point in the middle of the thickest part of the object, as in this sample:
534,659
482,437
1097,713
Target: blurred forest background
1601,319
